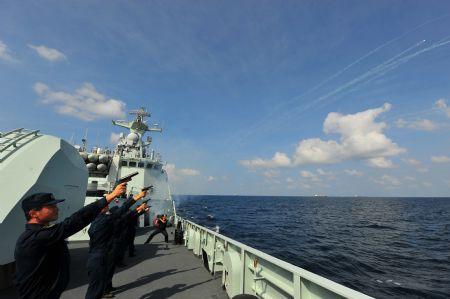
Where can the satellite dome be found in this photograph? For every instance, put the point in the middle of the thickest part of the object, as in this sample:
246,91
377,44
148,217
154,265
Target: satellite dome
132,138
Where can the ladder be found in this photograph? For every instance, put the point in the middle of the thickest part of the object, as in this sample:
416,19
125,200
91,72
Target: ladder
11,141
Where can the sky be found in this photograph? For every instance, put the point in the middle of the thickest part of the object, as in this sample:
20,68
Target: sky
294,98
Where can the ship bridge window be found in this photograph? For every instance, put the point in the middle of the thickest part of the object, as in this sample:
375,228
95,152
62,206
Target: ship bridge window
132,164
149,165
141,164
124,163
95,193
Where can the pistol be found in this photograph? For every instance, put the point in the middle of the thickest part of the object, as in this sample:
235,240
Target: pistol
127,178
144,201
147,188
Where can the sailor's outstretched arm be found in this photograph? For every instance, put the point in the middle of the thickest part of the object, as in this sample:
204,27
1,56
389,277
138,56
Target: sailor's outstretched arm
129,202
78,220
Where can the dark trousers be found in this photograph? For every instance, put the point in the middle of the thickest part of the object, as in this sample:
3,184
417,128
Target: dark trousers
130,241
157,231
97,272
114,257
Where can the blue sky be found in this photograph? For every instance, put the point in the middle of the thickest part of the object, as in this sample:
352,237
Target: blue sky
255,97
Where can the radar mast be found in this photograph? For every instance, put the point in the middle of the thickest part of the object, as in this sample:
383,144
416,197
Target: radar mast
138,127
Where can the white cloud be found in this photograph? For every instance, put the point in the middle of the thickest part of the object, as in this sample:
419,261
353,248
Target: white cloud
114,138
442,104
210,178
419,124
412,162
361,138
5,53
317,177
354,172
417,164
177,174
322,172
48,53
410,178
271,173
307,174
85,103
305,185
189,172
278,160
427,184
387,180
440,159
380,162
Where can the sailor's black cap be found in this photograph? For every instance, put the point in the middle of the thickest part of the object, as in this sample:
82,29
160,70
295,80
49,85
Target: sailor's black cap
38,200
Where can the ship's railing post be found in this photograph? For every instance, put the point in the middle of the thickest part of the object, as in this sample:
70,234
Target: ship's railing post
213,268
243,265
297,286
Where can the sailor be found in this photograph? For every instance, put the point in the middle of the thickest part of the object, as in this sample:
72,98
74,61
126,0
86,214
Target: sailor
130,236
41,254
178,237
160,227
100,243
127,234
115,256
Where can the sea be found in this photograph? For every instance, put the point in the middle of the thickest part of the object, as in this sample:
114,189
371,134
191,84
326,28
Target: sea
382,247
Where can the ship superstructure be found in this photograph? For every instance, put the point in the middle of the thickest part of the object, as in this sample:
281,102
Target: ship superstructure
131,154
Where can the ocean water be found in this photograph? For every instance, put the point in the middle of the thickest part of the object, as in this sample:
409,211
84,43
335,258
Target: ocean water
383,247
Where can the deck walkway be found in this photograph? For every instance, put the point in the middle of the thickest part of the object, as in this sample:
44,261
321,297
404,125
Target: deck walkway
153,273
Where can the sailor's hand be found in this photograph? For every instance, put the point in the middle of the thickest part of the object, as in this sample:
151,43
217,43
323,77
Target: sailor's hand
118,191
143,206
140,195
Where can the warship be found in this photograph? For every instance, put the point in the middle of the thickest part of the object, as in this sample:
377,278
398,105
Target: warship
131,154
209,265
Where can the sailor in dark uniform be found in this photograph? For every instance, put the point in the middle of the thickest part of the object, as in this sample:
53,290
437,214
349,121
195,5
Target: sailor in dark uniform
100,243
160,228
115,256
42,256
131,235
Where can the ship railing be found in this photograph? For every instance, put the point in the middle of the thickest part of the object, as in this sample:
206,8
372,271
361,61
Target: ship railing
13,140
246,270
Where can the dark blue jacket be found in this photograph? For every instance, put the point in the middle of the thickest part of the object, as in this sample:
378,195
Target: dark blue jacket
105,227
42,256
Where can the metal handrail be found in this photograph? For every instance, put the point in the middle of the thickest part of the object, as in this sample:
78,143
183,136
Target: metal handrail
10,132
301,273
14,142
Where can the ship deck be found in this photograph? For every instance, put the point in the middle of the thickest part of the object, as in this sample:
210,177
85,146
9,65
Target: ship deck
153,273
